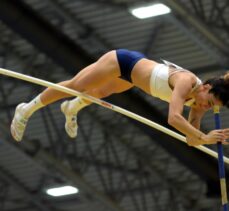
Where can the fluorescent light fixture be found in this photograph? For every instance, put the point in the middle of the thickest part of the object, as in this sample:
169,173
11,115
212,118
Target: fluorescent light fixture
62,191
150,11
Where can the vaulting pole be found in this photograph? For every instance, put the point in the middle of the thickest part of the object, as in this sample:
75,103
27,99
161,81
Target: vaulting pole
222,176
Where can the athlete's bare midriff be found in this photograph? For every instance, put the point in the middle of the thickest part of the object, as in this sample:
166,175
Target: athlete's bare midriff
141,74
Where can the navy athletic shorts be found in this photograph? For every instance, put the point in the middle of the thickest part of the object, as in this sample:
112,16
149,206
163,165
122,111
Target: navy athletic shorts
127,59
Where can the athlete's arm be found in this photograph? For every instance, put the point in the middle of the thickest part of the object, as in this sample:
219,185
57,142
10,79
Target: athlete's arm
182,88
194,118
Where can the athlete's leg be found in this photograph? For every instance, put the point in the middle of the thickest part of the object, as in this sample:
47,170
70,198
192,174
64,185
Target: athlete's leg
91,77
71,108
115,85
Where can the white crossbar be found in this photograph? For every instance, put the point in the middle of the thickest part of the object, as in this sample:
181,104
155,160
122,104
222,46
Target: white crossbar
107,105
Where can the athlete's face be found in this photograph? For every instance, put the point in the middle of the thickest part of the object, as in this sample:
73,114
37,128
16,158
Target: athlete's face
205,100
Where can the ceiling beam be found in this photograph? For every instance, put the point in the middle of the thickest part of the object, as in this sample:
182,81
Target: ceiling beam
186,16
50,162
86,33
214,52
34,199
43,35
77,180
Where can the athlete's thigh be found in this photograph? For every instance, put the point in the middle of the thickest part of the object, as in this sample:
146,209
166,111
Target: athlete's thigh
116,85
98,73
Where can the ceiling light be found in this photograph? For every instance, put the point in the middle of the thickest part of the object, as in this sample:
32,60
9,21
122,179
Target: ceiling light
62,191
150,11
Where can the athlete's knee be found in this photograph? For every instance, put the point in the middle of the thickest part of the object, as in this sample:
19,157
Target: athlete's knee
68,83
71,84
101,93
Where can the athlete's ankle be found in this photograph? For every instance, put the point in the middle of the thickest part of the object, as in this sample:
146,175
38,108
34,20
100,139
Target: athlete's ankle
76,105
32,106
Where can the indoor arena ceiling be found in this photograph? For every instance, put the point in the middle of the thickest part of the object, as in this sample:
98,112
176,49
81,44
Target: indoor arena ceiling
116,163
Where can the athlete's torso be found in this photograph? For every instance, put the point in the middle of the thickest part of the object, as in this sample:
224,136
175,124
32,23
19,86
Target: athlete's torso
152,77
159,82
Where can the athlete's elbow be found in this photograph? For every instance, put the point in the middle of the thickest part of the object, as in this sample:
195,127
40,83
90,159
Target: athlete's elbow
171,121
174,119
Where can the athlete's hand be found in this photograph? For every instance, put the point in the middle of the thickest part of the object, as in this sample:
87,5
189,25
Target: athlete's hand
226,132
215,136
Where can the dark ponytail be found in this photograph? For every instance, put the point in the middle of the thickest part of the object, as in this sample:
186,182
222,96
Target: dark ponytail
220,88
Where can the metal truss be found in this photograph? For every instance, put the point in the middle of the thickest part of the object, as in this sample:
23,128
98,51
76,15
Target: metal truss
106,164
115,176
57,149
203,25
134,183
215,17
34,199
148,168
84,34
